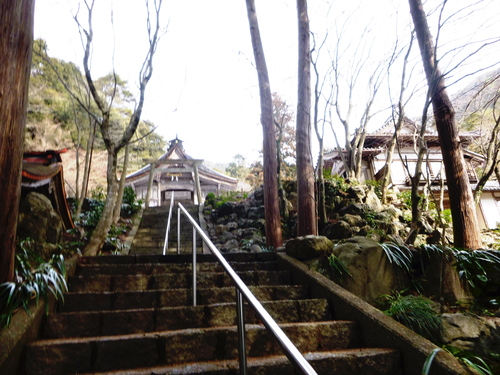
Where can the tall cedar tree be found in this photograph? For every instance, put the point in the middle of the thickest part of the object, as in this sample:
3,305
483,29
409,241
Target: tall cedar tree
16,38
465,224
306,205
274,235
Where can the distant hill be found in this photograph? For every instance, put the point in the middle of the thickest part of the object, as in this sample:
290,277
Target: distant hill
476,94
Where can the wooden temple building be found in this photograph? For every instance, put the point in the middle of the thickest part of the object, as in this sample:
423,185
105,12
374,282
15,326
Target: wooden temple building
375,156
43,173
175,171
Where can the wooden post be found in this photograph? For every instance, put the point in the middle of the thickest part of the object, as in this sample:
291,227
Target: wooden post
150,183
197,182
158,184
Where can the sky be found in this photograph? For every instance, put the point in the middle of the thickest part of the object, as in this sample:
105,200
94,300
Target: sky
204,87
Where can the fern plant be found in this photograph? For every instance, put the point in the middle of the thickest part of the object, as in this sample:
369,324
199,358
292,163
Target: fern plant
35,278
337,267
400,255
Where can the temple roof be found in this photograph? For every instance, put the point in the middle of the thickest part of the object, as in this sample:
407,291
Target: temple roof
176,152
408,133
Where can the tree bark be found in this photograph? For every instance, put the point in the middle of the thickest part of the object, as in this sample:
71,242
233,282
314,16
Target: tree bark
101,231
16,38
121,187
88,163
274,235
113,145
306,204
465,224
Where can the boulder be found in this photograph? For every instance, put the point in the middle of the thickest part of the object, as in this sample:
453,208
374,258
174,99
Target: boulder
354,209
255,213
230,245
338,231
219,229
356,192
258,194
259,224
232,225
38,220
308,247
443,279
472,333
353,220
242,209
256,249
372,273
373,201
226,209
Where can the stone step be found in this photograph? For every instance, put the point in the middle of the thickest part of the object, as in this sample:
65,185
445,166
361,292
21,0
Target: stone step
155,268
202,258
372,361
123,322
174,297
111,353
109,283
187,249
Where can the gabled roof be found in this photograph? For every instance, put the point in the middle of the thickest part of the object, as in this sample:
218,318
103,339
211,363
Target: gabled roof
176,152
408,133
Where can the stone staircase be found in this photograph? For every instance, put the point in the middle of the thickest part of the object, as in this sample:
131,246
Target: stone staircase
150,235
134,315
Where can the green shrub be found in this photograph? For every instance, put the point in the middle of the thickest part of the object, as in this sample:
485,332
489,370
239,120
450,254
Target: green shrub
336,185
405,198
130,204
210,199
416,313
35,278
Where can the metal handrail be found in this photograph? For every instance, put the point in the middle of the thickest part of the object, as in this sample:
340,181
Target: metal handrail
165,244
293,354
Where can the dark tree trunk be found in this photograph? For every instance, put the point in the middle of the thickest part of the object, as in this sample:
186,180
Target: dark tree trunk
271,200
465,224
16,38
306,204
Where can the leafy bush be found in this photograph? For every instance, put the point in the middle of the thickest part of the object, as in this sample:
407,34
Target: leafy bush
130,204
337,185
230,196
476,266
210,199
35,278
405,198
416,313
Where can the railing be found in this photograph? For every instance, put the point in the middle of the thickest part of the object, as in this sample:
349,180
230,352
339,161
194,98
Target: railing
165,244
242,291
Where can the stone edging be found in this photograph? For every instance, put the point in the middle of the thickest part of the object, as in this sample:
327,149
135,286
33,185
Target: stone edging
25,328
376,328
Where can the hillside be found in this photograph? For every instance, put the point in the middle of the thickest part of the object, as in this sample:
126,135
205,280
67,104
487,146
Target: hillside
57,120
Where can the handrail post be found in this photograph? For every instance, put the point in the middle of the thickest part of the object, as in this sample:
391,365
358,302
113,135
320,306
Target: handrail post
242,351
194,266
178,230
299,362
165,244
